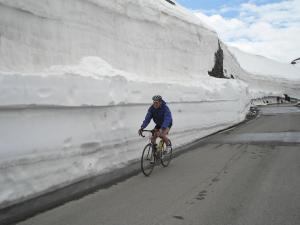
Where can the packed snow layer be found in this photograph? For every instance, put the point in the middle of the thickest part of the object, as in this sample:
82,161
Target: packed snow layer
73,122
266,76
44,148
148,38
260,65
95,82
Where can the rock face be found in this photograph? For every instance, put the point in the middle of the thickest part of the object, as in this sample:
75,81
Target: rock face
218,70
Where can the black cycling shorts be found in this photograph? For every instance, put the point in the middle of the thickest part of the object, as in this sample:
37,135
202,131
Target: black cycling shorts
159,126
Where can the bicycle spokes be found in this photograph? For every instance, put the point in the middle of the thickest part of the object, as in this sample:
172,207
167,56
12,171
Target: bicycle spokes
147,160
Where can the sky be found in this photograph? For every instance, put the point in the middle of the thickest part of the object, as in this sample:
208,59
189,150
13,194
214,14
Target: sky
269,28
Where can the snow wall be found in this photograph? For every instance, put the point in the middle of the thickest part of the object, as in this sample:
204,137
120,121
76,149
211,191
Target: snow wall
54,147
77,77
267,77
149,38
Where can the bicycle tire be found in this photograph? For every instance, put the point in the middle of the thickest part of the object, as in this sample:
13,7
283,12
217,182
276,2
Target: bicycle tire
166,159
147,155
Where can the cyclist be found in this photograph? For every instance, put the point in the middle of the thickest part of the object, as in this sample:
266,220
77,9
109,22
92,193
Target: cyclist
162,117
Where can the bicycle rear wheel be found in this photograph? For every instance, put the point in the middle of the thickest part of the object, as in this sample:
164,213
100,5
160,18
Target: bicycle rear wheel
166,155
146,159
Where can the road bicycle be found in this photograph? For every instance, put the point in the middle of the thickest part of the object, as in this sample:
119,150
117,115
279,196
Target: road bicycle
154,156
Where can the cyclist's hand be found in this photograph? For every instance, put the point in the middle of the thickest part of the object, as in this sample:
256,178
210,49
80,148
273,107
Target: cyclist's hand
140,132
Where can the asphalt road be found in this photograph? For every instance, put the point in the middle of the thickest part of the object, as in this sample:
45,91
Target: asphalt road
248,175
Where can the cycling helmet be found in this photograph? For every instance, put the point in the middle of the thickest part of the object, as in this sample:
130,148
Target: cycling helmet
156,98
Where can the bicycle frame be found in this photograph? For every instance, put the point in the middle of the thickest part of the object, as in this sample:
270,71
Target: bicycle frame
160,145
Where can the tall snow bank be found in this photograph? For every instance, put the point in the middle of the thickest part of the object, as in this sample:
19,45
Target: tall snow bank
95,82
73,122
47,148
266,76
148,38
262,66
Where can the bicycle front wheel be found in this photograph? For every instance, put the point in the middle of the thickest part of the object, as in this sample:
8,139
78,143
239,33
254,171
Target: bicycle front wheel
147,160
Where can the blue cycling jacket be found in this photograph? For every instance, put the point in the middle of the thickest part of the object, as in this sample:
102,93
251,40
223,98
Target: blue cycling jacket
162,116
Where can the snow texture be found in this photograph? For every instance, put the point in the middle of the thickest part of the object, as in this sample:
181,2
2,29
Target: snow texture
268,77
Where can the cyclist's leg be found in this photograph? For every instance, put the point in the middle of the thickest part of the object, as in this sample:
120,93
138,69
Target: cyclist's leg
155,136
164,134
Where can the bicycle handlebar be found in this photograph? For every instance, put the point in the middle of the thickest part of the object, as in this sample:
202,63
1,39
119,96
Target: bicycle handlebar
152,131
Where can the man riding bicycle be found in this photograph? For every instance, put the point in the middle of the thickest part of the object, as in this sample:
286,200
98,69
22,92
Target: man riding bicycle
162,117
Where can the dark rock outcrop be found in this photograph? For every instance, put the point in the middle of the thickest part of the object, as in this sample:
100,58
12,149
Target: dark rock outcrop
217,71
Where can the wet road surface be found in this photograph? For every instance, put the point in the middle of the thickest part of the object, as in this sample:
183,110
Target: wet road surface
247,175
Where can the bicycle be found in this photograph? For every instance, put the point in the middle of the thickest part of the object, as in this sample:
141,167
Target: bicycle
152,157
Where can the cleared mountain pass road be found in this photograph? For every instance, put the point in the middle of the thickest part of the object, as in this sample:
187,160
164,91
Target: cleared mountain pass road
247,175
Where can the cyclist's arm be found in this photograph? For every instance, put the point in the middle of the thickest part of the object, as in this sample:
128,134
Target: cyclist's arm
147,119
167,118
